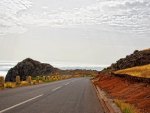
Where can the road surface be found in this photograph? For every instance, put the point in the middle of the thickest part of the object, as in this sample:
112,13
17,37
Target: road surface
75,95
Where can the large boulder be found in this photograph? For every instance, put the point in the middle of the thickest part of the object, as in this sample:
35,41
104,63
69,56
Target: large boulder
29,67
138,58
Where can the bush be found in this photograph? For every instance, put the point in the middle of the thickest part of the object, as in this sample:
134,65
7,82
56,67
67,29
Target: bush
10,85
43,78
29,79
34,82
24,83
2,81
125,107
38,79
18,80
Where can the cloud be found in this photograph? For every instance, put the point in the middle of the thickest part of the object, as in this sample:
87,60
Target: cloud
44,7
9,12
124,16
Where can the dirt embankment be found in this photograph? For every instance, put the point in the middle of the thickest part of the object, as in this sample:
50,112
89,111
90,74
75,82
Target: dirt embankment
133,92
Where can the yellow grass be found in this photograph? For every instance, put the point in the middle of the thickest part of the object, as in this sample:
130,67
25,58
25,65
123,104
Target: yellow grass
10,85
125,107
139,71
30,81
24,83
146,49
34,82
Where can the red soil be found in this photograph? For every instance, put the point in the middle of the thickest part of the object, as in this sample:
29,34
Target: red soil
134,93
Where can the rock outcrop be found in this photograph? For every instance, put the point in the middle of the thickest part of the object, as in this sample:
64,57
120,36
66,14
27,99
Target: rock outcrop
138,58
29,67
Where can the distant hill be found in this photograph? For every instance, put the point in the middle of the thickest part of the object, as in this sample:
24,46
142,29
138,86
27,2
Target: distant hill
97,68
80,72
137,58
29,67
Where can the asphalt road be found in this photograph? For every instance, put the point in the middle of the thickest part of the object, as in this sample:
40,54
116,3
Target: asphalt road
75,95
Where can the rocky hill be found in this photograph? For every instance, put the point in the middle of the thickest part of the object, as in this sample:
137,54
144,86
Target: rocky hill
138,58
29,67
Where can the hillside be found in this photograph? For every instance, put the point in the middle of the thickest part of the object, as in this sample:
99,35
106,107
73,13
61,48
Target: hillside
138,71
128,80
29,67
79,72
137,58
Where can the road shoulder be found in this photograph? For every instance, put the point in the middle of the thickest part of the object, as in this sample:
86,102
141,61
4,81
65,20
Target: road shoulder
108,104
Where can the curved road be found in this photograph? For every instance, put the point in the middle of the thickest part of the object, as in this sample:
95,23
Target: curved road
75,95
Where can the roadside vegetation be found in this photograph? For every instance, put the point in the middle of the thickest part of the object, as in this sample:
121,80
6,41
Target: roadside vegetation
30,81
139,71
36,80
125,107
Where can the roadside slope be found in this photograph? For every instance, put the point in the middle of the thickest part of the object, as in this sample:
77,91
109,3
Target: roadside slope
138,71
128,80
137,94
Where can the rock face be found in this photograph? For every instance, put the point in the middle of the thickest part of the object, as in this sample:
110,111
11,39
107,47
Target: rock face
29,67
138,58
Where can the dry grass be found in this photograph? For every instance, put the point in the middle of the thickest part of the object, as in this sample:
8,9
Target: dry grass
125,107
29,81
10,85
24,83
146,49
2,81
139,71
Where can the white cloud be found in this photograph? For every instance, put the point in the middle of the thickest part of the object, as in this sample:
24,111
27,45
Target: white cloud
125,16
9,12
44,7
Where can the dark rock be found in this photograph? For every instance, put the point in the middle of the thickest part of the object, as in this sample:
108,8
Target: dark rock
29,67
138,58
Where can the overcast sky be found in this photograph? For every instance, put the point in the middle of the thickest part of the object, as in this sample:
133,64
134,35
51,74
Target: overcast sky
83,32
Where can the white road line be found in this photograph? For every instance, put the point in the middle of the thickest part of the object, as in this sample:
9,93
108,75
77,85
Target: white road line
67,83
2,111
56,88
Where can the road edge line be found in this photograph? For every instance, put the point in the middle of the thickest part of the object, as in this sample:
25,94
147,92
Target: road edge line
56,88
21,103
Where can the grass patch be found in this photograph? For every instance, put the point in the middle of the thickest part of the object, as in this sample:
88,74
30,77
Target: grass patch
10,85
139,71
24,83
125,107
29,81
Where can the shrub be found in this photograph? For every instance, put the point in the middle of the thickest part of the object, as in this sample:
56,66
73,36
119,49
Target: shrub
43,78
29,79
10,85
47,78
34,82
18,80
24,83
2,81
38,79
125,107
